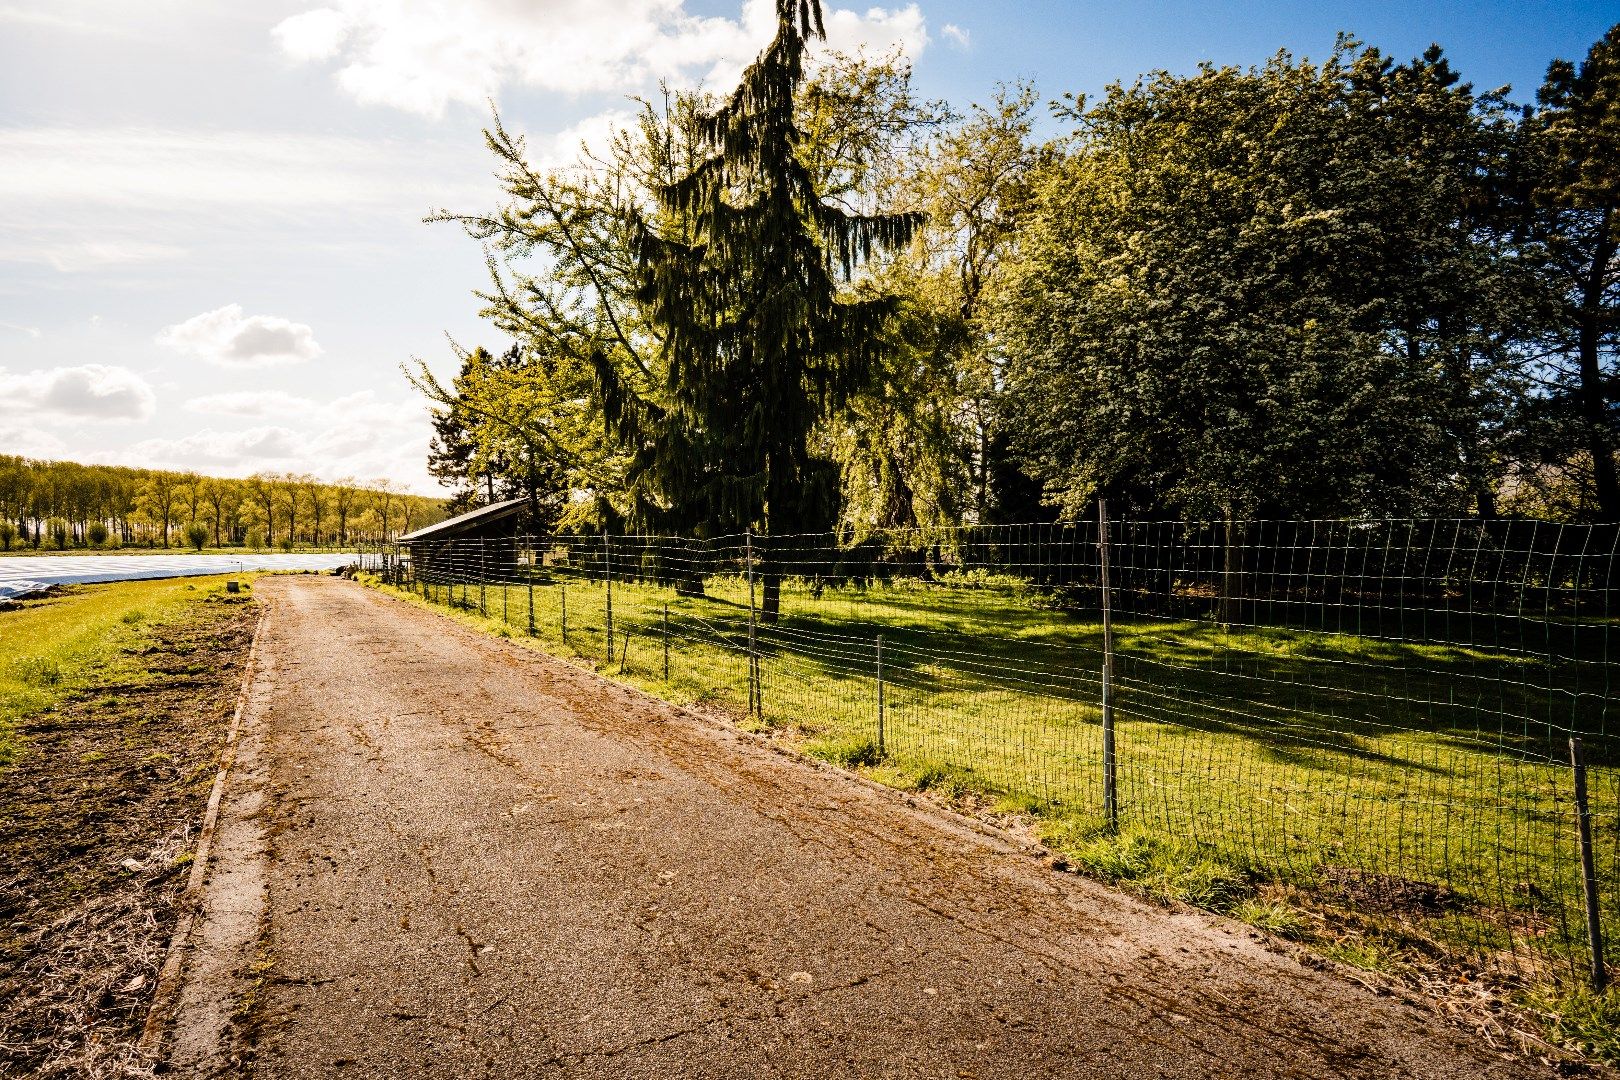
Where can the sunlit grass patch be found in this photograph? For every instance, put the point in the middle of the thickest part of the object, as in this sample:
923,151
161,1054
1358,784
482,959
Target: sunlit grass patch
75,638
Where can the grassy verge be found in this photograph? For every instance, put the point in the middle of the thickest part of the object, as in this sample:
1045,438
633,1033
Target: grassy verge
116,702
1398,807
58,645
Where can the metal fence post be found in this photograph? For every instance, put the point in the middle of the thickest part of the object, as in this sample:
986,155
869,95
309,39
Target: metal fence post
483,574
1589,885
754,705
607,573
881,747
531,597
563,588
1110,791
666,643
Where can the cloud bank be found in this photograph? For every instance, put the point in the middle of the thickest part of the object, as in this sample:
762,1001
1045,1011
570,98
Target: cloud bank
421,56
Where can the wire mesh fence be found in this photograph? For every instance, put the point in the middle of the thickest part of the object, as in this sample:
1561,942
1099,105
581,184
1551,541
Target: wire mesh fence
1379,714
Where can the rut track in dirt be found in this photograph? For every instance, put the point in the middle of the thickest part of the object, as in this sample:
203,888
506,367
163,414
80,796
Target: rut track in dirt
465,858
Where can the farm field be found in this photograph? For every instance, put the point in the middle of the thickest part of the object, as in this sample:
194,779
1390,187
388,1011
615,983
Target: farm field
73,551
113,706
1305,780
21,576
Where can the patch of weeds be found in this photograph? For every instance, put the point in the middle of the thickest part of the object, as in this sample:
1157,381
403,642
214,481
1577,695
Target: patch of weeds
1019,802
1165,870
1582,1020
952,781
259,972
1273,918
38,671
1366,953
849,753
133,617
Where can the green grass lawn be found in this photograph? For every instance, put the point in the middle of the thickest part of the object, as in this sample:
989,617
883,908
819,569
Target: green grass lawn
1425,785
73,639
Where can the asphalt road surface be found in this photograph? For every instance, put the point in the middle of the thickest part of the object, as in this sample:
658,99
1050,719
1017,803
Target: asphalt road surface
444,855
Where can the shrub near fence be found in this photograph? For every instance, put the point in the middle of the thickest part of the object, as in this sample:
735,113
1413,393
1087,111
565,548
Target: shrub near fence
1376,714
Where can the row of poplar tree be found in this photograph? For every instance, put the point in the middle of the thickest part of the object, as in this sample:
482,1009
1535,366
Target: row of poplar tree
62,504
1348,288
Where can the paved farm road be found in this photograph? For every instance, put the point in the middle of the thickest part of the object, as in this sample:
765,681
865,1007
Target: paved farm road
481,862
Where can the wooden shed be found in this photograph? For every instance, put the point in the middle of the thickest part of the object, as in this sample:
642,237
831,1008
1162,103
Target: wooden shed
480,544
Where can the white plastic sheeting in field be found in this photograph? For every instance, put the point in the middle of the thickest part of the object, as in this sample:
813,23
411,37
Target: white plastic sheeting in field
25,574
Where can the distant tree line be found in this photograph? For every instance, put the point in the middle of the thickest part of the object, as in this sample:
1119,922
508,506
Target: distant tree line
61,504
1347,288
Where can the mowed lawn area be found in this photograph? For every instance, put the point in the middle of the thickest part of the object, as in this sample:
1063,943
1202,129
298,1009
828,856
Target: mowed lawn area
1280,773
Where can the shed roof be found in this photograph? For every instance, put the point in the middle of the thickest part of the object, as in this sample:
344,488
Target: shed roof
447,529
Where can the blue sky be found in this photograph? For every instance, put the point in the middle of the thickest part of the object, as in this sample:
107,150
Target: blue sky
211,253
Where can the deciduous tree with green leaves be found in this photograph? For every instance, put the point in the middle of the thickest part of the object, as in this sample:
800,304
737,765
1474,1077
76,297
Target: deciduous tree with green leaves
1263,292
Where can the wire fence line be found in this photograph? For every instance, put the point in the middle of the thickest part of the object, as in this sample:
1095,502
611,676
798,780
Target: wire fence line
1380,714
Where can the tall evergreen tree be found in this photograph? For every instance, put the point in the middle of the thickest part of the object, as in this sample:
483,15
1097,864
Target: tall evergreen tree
747,298
1572,156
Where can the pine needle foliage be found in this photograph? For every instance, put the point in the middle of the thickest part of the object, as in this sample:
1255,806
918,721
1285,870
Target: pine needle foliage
747,275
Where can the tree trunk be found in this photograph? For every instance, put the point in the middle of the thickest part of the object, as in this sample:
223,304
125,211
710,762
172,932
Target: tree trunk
770,605
1230,565
1594,406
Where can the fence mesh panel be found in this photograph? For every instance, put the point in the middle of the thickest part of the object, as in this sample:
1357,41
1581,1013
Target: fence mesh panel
1377,713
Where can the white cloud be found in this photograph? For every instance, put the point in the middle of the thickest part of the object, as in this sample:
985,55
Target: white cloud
28,441
955,35
422,55
85,199
136,166
227,337
249,450
252,403
355,435
314,35
31,331
86,392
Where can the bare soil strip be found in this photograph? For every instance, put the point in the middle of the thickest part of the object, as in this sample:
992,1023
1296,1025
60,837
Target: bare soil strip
473,860
97,822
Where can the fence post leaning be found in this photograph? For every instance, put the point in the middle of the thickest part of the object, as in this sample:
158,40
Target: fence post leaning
666,643
607,573
1110,777
531,591
563,592
1589,885
881,748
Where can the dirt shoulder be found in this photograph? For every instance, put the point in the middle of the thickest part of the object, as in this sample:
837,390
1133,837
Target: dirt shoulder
483,862
97,821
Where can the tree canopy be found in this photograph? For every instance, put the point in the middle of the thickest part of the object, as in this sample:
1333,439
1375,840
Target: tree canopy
1353,287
